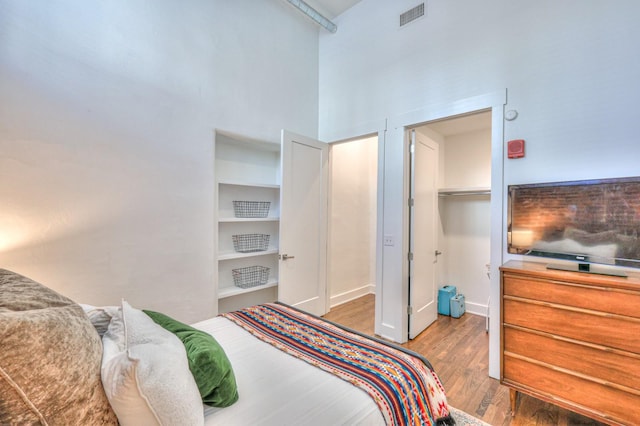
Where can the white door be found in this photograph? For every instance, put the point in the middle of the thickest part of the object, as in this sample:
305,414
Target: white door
423,233
303,223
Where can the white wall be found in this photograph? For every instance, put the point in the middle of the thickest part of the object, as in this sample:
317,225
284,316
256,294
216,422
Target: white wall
570,69
106,129
465,220
465,248
353,219
467,160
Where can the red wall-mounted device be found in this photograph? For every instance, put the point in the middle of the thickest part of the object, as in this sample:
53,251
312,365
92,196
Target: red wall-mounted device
515,148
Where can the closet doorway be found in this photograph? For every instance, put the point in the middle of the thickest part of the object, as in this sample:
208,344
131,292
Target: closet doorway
464,205
351,260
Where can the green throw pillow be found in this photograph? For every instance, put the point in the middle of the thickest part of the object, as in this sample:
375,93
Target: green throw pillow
208,363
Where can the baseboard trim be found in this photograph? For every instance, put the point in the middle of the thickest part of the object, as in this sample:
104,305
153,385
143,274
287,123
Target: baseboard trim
350,295
476,308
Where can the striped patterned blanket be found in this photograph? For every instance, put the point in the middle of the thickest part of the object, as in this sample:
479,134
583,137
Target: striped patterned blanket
406,389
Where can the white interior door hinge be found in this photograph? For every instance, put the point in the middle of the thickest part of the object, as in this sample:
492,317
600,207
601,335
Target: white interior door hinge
409,310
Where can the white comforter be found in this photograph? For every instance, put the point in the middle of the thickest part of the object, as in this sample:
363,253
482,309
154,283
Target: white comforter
278,389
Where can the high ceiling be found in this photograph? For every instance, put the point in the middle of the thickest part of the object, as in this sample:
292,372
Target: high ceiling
331,8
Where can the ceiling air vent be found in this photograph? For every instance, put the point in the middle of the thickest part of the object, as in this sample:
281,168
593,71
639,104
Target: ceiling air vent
412,14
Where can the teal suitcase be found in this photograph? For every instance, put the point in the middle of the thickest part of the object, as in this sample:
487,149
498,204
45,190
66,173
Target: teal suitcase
444,299
457,306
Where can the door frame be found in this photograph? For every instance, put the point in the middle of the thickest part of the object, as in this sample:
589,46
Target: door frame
359,131
392,323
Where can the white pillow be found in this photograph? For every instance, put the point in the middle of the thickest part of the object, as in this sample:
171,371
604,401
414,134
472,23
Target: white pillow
100,316
145,373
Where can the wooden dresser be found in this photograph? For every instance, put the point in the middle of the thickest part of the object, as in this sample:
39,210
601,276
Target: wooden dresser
572,339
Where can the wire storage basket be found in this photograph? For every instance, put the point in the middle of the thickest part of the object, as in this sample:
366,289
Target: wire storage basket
250,276
247,243
251,208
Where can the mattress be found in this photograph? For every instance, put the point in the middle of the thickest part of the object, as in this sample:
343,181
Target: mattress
278,389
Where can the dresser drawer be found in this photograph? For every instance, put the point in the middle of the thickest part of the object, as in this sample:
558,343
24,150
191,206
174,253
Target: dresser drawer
583,395
605,365
616,301
606,330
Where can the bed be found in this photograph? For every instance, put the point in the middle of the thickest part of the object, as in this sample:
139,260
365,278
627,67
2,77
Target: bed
123,365
290,341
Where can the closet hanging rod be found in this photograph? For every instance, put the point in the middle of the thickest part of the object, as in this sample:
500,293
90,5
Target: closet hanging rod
446,192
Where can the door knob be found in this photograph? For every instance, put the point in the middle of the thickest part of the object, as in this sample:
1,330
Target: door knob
286,256
438,252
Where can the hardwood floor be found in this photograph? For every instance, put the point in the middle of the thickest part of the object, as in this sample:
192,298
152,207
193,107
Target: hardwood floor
458,349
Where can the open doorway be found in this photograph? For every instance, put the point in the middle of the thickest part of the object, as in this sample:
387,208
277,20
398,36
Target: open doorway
463,215
353,220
